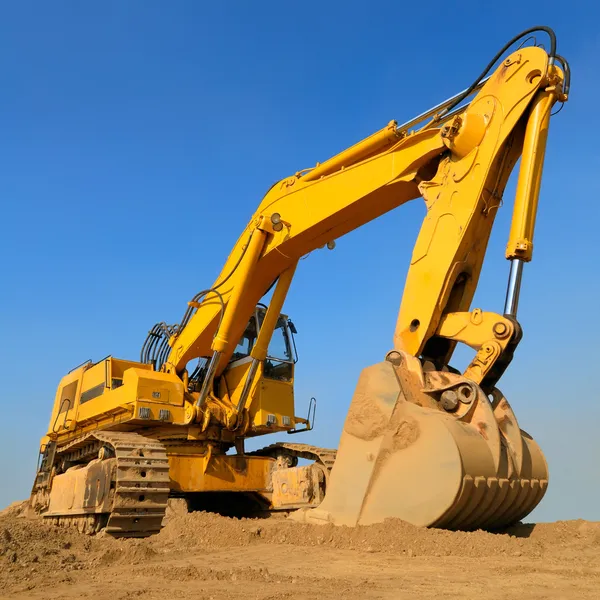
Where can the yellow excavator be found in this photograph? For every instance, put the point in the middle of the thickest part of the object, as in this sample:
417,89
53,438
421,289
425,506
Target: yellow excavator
422,441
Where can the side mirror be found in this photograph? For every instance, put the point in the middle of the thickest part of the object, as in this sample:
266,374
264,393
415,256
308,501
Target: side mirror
292,327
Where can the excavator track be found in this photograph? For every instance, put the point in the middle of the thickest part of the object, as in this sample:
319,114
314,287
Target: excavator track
298,486
139,485
325,456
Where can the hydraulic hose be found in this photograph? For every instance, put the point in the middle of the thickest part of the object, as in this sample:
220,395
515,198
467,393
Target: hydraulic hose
469,90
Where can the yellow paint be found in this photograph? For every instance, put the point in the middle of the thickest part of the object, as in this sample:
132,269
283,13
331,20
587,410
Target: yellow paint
462,194
462,200
520,244
272,398
140,387
260,349
459,168
267,397
193,472
223,340
486,332
234,378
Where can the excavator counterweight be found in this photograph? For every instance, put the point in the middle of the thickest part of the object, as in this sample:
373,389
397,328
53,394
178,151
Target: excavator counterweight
422,441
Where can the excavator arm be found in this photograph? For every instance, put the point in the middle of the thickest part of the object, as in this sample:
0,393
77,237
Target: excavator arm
421,441
459,167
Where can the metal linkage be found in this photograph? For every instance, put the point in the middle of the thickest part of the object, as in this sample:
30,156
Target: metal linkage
439,107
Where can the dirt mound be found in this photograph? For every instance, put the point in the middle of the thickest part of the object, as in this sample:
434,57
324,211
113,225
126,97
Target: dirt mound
31,550
188,530
16,509
34,554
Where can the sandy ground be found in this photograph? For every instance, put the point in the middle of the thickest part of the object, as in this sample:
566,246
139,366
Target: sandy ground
205,556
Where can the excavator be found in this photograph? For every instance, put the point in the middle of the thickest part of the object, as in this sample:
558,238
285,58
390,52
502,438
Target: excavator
422,441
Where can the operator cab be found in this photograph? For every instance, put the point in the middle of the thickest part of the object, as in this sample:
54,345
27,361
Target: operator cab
281,356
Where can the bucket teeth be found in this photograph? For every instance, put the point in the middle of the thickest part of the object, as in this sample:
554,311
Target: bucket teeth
493,503
402,455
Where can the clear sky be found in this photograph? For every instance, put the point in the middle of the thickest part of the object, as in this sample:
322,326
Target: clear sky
137,138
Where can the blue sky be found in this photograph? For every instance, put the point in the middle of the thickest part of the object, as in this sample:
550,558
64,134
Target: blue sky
137,138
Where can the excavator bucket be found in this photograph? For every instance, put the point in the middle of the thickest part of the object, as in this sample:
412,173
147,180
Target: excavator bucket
430,448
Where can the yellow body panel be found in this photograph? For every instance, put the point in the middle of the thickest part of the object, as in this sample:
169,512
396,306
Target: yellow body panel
268,397
194,472
94,377
137,386
275,398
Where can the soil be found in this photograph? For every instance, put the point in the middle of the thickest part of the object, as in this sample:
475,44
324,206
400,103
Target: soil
204,556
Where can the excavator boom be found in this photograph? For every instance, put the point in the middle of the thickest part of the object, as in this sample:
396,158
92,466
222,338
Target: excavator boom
460,169
421,441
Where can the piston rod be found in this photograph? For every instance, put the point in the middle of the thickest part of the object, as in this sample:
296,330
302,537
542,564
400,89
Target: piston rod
209,378
248,384
435,109
514,288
